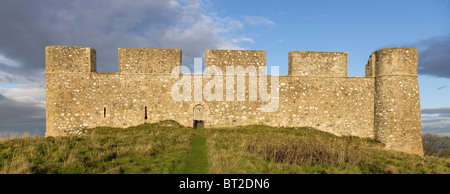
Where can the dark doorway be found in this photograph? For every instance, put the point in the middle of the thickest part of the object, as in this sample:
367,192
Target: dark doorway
199,119
199,124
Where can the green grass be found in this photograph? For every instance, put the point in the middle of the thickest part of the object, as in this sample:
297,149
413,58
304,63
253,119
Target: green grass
170,148
148,148
262,149
197,160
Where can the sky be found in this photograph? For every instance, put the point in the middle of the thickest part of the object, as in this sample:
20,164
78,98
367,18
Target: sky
356,27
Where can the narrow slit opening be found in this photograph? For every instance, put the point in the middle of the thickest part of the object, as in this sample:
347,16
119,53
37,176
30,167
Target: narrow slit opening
145,113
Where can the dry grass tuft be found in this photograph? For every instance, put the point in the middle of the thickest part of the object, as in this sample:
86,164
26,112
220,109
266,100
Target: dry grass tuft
303,151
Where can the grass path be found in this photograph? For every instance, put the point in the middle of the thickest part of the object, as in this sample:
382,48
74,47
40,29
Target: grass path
197,160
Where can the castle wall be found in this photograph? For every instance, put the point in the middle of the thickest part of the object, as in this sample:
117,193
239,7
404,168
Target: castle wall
340,108
356,106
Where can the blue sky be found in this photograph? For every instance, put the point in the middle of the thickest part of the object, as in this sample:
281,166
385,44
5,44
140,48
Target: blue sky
356,27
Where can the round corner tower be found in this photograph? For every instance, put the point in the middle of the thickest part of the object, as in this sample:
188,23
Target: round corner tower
397,103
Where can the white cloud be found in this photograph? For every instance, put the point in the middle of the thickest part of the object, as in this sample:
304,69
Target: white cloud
30,92
436,120
9,62
243,39
258,20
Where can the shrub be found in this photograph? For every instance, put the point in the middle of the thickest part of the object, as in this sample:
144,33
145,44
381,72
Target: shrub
434,145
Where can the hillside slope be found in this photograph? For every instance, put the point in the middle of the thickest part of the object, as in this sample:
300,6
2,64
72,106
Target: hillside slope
168,148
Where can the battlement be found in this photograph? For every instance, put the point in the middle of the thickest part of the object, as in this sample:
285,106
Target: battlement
320,64
389,61
244,58
148,60
69,59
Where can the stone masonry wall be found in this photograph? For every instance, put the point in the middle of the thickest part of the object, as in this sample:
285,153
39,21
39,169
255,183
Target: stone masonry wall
80,98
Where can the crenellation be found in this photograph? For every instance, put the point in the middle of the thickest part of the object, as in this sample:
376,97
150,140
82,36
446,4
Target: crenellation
317,64
148,61
65,59
243,58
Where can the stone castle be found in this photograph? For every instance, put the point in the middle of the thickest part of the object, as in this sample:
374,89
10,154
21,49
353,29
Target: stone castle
384,105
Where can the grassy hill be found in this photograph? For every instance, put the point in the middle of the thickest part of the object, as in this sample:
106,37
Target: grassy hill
168,148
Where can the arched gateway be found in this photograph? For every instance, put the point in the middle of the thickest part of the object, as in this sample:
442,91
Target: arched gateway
199,117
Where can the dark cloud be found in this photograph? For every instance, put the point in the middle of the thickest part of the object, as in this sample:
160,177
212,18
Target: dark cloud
2,97
18,116
13,74
438,110
434,56
438,127
28,26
